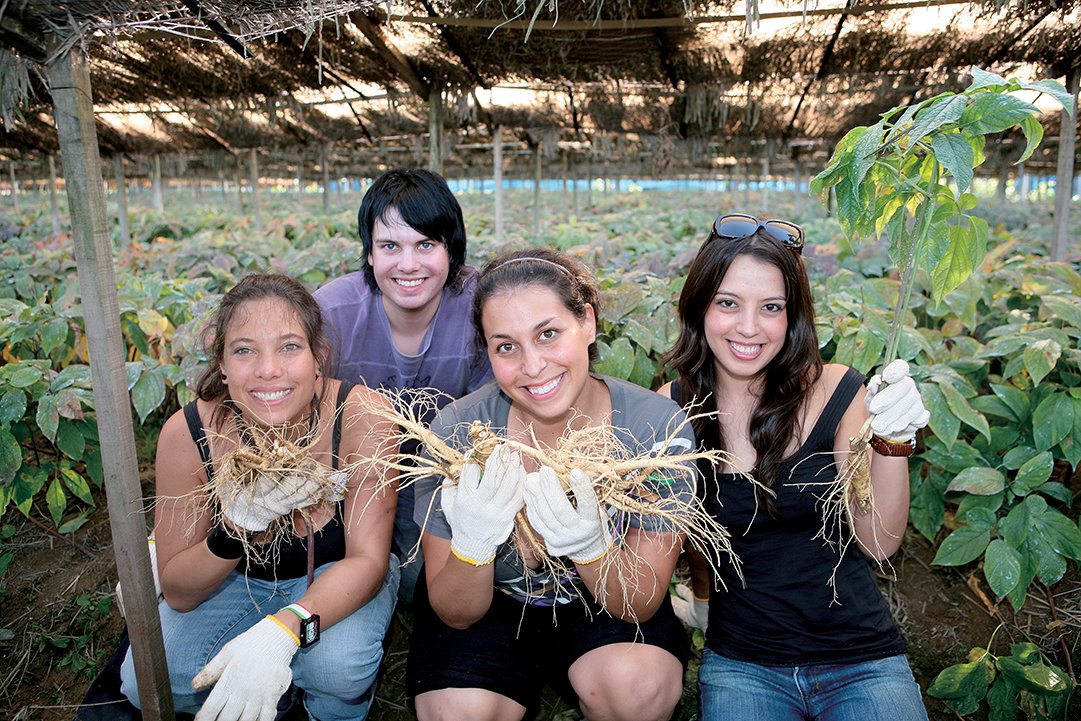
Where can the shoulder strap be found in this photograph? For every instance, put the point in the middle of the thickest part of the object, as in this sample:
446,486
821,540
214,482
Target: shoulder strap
673,392
198,434
839,401
344,389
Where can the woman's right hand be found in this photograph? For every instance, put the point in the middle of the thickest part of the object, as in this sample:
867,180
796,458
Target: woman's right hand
270,497
481,507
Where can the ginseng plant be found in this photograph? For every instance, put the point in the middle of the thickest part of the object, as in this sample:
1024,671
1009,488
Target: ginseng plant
892,180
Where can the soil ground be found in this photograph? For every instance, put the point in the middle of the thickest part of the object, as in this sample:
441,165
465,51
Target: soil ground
59,622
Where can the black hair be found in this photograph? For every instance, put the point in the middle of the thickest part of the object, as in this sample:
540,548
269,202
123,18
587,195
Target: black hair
426,205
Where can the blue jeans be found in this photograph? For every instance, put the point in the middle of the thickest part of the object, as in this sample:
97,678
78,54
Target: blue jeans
406,543
731,690
337,673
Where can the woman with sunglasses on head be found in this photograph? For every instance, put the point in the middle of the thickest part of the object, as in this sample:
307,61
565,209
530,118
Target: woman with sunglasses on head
491,624
805,634
289,578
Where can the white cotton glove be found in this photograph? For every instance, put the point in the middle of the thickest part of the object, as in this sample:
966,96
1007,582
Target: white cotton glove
580,533
153,569
689,609
895,403
482,507
271,496
249,675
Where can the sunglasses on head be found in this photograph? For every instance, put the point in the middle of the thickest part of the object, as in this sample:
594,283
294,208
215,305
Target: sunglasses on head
737,226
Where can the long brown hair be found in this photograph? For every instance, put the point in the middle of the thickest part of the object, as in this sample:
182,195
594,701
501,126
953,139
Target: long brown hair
786,382
258,286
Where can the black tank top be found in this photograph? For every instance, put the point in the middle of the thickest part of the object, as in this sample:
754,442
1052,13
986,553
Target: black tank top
291,559
785,613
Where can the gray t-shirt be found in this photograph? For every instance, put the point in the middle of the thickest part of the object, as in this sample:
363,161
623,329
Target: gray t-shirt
448,361
643,420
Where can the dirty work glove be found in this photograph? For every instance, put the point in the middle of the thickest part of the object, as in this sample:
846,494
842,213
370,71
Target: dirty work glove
481,508
249,675
153,547
580,533
271,496
895,403
689,609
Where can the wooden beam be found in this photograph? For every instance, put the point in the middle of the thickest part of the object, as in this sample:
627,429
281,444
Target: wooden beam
1067,140
394,57
69,77
669,22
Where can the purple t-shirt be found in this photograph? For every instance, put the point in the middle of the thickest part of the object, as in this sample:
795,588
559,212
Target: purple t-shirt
449,359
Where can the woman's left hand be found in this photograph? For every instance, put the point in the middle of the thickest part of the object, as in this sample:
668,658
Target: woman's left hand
580,533
249,674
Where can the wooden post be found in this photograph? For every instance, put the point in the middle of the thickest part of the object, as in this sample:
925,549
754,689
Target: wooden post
1003,174
1022,182
222,183
497,168
574,184
536,191
798,172
70,80
121,200
300,182
54,203
589,182
564,173
765,177
14,187
155,184
325,169
1067,141
238,174
253,167
435,127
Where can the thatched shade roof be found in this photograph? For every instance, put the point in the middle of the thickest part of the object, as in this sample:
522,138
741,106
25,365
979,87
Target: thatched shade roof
644,67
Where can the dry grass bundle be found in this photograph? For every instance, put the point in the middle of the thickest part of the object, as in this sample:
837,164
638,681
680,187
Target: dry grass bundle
623,477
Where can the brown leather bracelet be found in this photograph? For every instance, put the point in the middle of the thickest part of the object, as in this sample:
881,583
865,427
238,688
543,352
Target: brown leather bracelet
888,448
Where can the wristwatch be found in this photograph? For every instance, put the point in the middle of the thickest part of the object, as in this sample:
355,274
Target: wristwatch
889,448
309,624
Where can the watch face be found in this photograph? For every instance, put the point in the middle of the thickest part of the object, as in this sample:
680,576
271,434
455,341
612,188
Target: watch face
309,631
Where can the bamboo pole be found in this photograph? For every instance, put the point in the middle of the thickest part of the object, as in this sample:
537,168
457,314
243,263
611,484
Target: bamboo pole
53,202
155,184
253,167
497,167
121,200
1067,141
74,111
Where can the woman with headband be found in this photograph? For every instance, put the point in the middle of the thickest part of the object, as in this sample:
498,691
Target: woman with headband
805,634
492,624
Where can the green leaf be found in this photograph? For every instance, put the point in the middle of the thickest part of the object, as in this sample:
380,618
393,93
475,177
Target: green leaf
74,524
945,110
1015,526
957,262
48,416
1059,492
1016,399
56,500
993,113
69,440
1052,420
11,457
1033,135
848,205
1040,357
24,376
1026,653
944,424
639,333
1017,456
1060,532
616,360
985,79
149,391
962,546
1002,700
1036,677
863,151
12,406
956,155
981,481
94,468
927,510
1067,309
78,485
1001,567
1055,89
959,407
959,681
54,333
1035,471
1050,565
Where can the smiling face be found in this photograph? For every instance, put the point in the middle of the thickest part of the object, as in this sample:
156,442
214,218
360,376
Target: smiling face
746,323
268,364
539,351
410,268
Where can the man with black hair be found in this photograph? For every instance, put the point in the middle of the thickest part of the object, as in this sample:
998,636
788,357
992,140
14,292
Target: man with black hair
400,322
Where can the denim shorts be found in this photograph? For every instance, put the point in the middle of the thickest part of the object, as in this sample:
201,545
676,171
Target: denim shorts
730,690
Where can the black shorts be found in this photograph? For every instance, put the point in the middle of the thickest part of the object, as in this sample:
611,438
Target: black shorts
515,648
